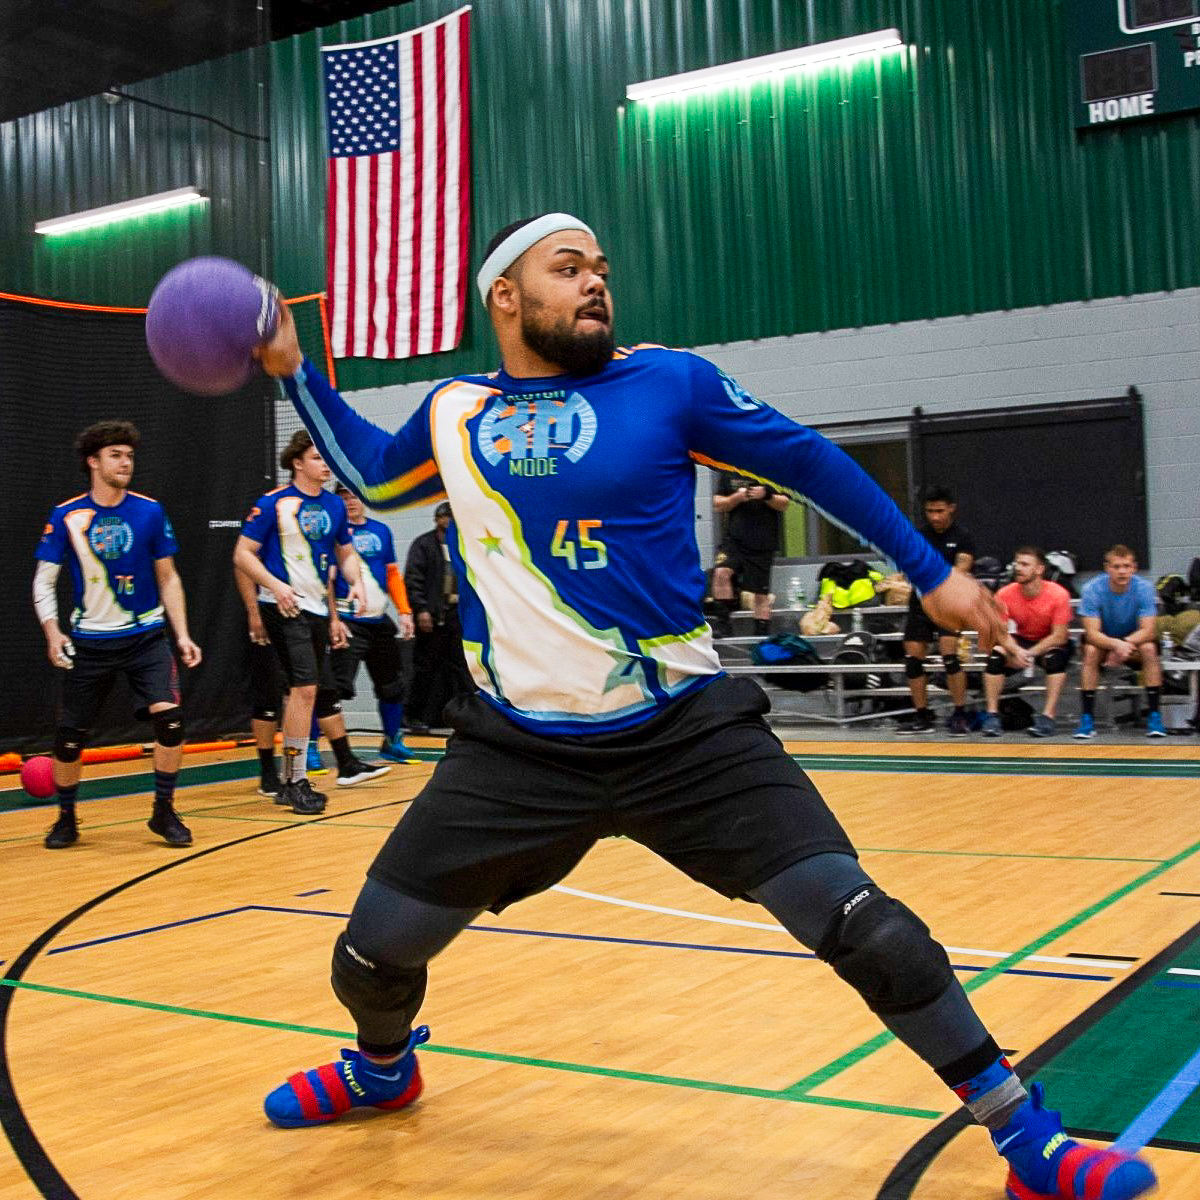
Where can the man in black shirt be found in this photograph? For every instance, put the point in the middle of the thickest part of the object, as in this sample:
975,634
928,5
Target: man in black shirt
748,550
957,547
439,666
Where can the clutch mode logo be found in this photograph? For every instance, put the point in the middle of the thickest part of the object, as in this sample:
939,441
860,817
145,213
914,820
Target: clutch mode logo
315,523
536,431
110,537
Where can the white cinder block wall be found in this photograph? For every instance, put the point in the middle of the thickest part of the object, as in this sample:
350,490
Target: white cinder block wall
1077,351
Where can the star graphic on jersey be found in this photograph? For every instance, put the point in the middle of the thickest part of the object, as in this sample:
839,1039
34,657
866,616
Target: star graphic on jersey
624,664
491,543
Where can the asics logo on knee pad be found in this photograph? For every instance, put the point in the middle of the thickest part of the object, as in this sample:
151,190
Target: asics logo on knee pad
857,900
358,958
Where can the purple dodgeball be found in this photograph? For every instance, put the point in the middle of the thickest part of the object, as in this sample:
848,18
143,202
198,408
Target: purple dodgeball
205,317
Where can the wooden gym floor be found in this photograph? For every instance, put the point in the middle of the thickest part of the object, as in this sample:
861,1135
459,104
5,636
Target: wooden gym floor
627,1034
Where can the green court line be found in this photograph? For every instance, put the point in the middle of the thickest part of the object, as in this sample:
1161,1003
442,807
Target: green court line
855,1056
1070,768
99,788
1003,854
490,1056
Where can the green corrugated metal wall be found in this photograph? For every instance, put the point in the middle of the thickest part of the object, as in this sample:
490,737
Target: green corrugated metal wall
89,153
944,178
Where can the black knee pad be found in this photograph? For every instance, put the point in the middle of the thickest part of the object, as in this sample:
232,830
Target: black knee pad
392,693
371,990
884,951
69,743
265,714
327,704
997,664
914,667
168,726
951,664
1054,662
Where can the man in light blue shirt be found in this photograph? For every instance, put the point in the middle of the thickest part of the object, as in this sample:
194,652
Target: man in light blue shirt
1117,610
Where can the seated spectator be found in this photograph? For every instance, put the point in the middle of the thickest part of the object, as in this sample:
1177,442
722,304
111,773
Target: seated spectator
1118,610
1038,613
957,547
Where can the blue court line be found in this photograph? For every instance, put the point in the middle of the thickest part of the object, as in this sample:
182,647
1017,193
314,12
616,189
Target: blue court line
546,933
1162,1108
1175,983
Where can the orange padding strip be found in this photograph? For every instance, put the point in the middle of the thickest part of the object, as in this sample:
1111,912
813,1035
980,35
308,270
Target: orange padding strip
111,308
104,754
68,304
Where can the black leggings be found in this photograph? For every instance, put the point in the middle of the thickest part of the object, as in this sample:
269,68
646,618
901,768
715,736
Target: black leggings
403,934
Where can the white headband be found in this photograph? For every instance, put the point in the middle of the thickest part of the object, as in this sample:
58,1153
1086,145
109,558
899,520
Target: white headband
518,242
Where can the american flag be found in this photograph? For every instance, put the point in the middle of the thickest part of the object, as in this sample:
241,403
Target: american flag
398,201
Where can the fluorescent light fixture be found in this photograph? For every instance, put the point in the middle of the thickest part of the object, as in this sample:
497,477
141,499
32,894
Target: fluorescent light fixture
748,68
108,213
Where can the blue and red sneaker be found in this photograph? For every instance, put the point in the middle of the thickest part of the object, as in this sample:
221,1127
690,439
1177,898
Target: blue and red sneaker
1045,1164
324,1093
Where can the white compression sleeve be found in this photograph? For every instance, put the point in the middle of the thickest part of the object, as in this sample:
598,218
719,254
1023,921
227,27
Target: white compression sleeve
45,596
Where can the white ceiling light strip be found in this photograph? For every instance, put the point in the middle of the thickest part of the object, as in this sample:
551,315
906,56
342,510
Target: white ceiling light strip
766,64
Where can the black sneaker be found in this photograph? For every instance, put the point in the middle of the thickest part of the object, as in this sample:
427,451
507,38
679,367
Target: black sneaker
722,627
958,724
64,833
919,722
166,823
301,798
283,797
269,787
356,771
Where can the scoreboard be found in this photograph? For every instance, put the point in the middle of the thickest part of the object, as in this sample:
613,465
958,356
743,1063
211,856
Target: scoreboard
1132,59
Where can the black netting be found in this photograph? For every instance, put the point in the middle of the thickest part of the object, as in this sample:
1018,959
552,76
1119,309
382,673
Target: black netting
205,459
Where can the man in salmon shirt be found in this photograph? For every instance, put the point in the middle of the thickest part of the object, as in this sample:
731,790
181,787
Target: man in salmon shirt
1038,613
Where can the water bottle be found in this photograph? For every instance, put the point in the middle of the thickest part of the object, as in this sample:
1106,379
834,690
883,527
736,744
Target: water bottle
1168,645
799,597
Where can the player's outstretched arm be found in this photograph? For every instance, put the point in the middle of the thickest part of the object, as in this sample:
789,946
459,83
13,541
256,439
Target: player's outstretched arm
384,470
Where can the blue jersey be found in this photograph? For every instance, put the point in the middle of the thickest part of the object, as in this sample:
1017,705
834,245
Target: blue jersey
581,587
1119,612
374,545
298,533
111,552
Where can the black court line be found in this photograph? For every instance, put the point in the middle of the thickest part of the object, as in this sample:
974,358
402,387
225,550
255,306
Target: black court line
1196,894
906,1174
1130,958
28,1149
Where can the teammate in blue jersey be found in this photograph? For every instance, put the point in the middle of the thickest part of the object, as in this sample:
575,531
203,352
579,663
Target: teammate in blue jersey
370,632
292,541
602,708
120,550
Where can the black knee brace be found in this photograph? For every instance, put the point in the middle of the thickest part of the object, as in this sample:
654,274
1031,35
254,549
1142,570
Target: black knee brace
997,664
265,714
168,726
1054,662
391,693
69,743
914,667
884,951
951,664
382,999
327,704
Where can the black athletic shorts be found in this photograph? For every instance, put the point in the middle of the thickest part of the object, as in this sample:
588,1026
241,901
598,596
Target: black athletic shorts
144,659
1065,653
919,628
267,683
373,643
705,785
302,646
751,568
